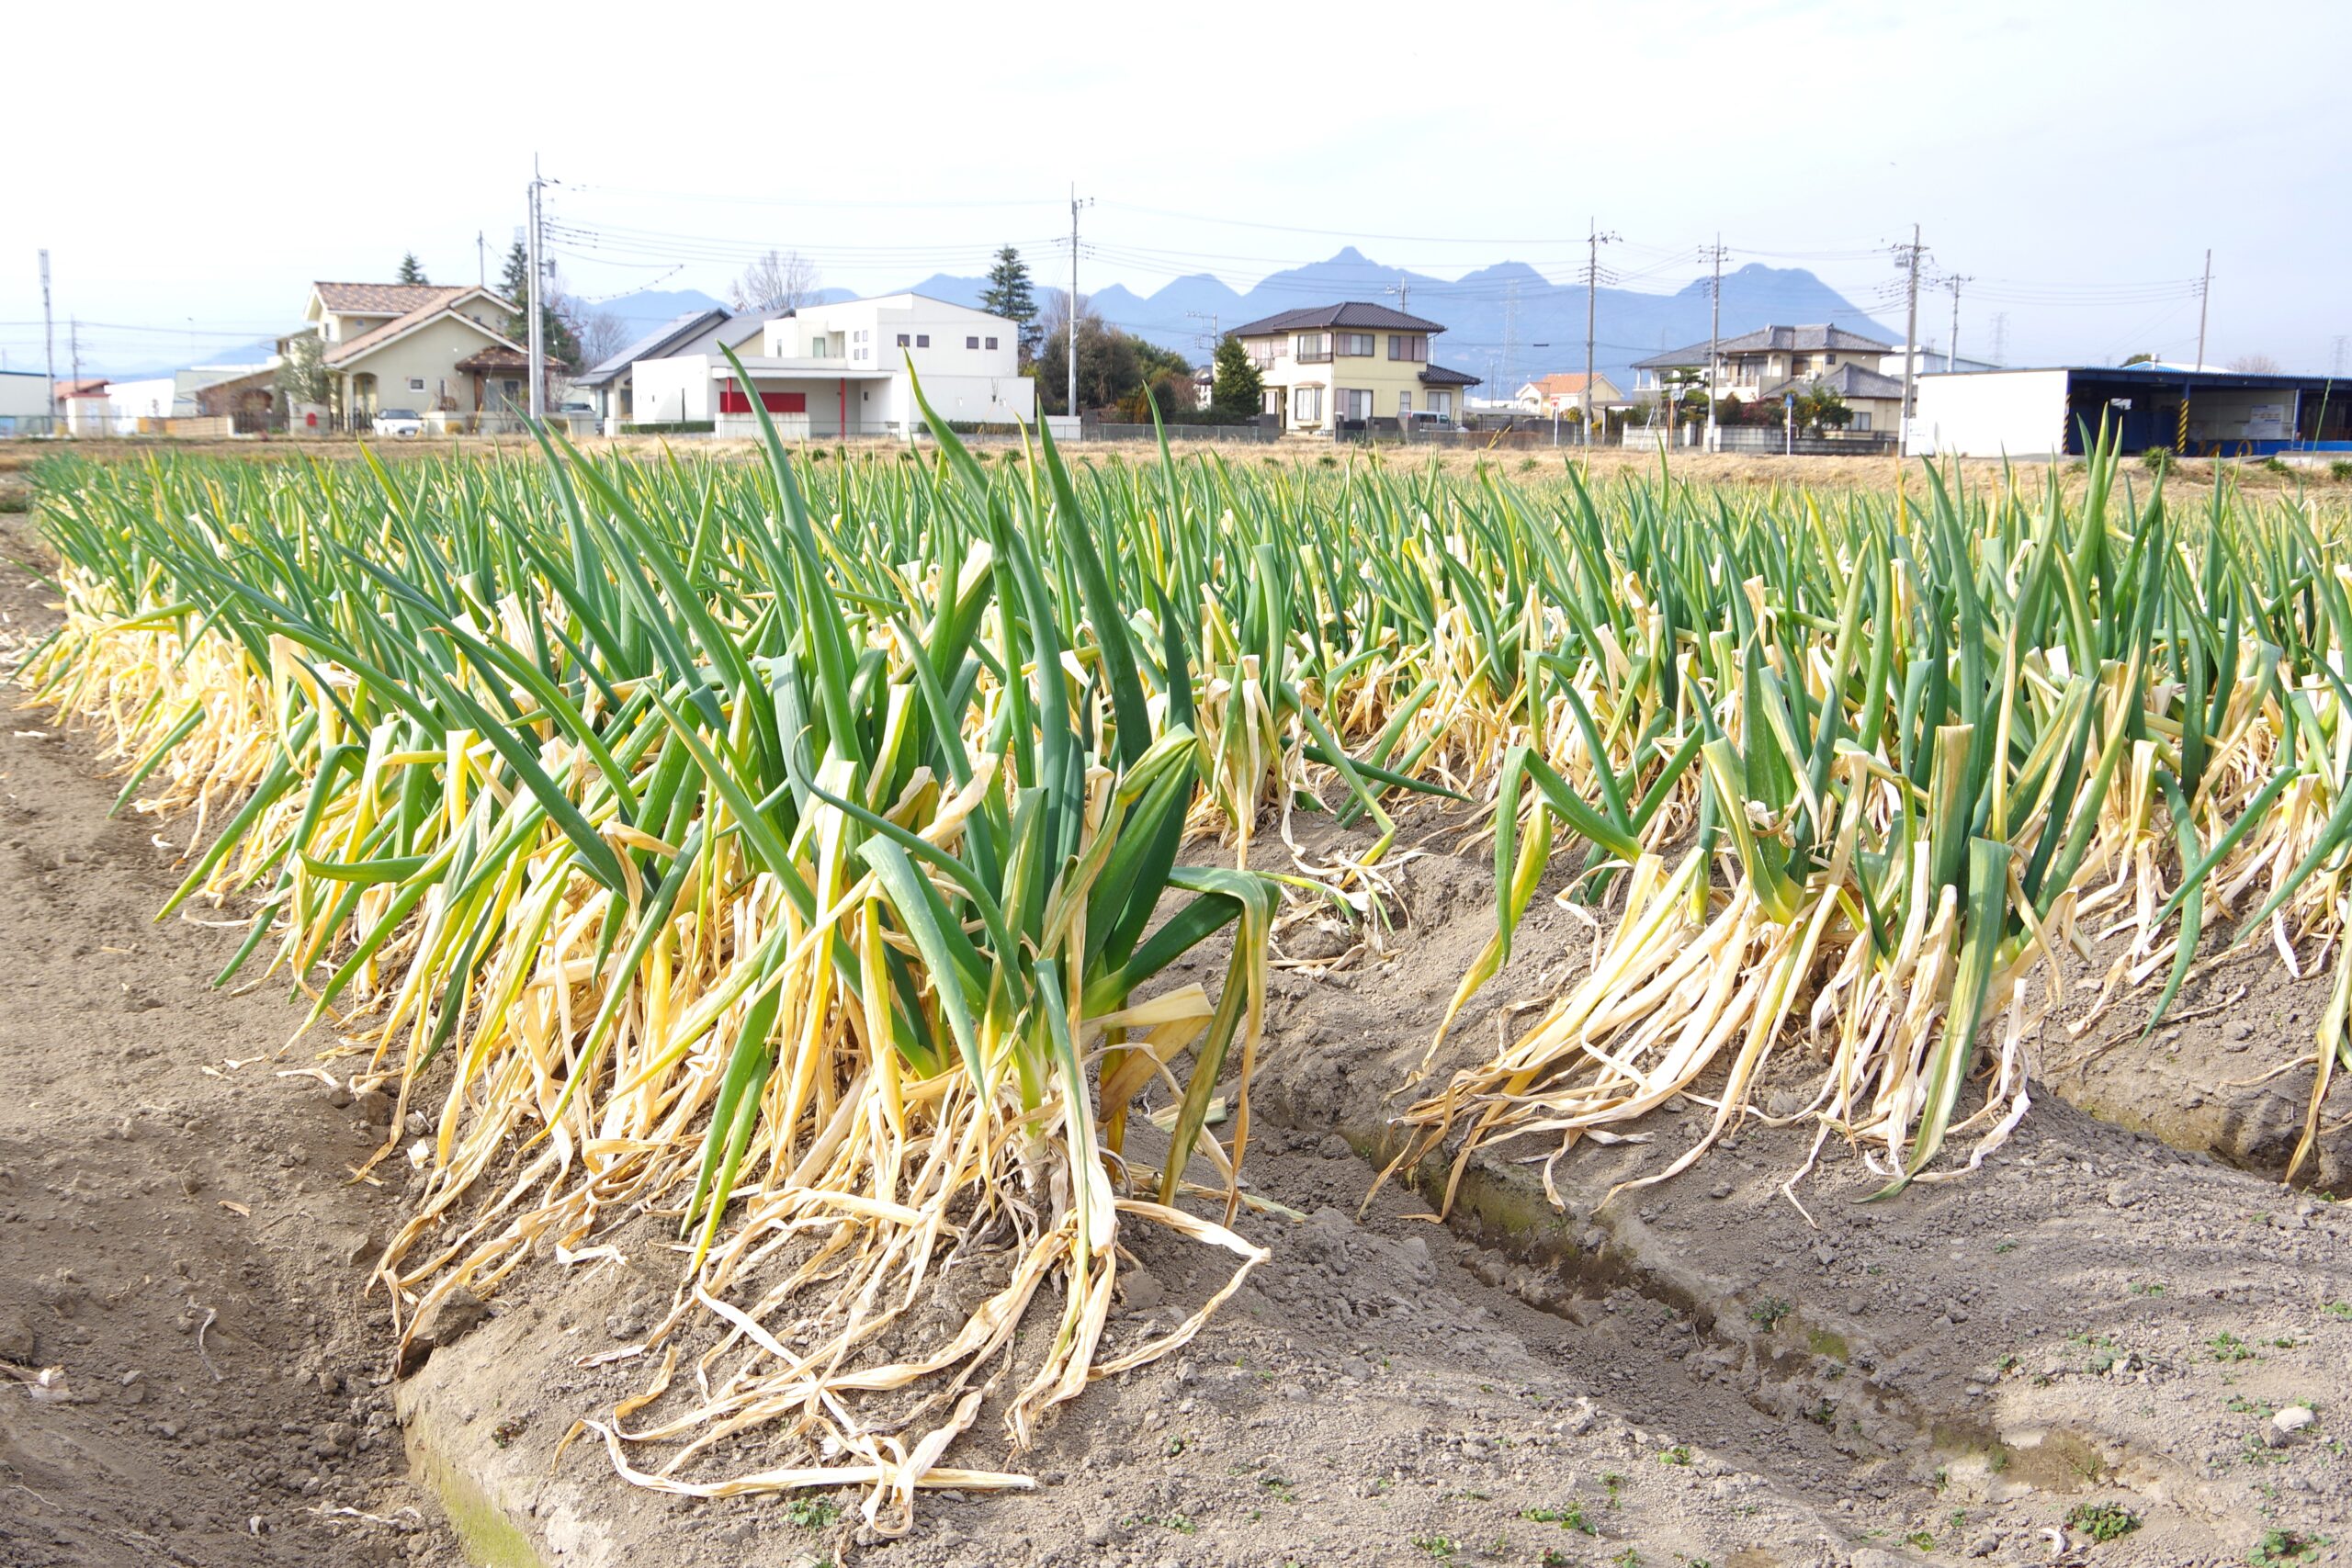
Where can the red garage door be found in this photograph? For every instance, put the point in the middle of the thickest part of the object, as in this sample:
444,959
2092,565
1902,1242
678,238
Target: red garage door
732,401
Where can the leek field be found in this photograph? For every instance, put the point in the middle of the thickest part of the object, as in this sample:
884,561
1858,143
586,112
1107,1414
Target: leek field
801,851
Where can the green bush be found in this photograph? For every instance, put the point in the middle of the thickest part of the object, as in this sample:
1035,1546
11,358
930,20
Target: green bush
670,427
2339,469
2158,458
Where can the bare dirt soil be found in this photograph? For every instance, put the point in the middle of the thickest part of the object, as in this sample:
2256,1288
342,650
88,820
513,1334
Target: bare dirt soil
180,1243
2096,1327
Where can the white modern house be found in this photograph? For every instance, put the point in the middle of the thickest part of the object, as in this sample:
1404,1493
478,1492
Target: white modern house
843,369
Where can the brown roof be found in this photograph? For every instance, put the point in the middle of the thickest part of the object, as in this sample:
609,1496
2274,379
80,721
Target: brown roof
498,358
1566,384
380,298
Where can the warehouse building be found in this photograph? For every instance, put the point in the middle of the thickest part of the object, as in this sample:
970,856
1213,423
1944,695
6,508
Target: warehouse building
2036,414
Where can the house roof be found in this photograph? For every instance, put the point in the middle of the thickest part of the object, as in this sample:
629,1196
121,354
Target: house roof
1852,380
1439,375
1824,336
497,356
1564,385
380,298
665,339
1349,313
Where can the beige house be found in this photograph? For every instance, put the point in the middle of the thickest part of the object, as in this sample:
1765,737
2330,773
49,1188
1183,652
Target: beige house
1759,364
420,348
1562,394
1329,367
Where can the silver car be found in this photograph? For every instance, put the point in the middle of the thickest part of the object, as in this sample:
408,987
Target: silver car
399,422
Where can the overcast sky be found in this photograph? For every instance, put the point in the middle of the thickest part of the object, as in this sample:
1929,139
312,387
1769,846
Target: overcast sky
2072,160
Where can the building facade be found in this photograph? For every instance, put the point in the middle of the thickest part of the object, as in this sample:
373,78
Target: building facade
1758,363
1330,367
849,370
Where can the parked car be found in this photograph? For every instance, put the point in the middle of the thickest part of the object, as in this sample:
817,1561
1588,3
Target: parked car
399,422
575,407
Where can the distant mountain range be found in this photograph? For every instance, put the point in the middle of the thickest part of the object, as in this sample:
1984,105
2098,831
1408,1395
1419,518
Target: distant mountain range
1503,322
1505,317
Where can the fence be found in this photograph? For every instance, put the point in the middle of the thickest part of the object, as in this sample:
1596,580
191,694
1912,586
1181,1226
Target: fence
1182,433
1770,440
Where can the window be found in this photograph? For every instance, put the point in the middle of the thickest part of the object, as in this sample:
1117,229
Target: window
922,340
904,340
1442,404
416,383
1404,405
1314,348
1415,349
975,343
992,343
1307,404
1272,400
1862,422
1829,359
861,334
1357,345
1354,402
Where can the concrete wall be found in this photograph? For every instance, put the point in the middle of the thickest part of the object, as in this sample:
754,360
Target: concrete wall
671,389
1996,413
24,392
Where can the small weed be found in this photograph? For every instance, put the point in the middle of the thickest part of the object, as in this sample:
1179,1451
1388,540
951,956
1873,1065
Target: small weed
1437,1546
1570,1517
1181,1523
1997,1458
2006,1247
506,1432
1277,1488
1958,1522
2340,469
2146,1287
2339,1309
1924,1539
2277,1549
2228,1346
813,1513
1824,1415
1173,1447
1615,1483
1629,1558
2103,1521
1555,1558
2284,1342
1769,1311
1678,1454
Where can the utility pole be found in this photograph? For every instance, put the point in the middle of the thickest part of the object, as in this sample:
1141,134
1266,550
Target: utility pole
1714,335
2338,371
1211,318
1074,205
1404,292
538,345
2000,337
1594,241
1951,349
481,261
1511,338
49,341
1910,339
2204,299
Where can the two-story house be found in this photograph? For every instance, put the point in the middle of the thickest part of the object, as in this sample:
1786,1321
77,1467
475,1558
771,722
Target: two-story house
1329,366
842,369
1761,366
417,346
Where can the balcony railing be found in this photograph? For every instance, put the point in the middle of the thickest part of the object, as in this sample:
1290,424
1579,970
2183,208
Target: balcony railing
1321,357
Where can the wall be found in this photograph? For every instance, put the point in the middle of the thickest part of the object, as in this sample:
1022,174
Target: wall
128,401
431,354
674,388
1993,413
23,393
884,318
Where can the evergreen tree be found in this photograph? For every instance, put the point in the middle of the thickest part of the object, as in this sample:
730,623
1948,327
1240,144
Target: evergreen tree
411,270
1241,392
555,316
1010,295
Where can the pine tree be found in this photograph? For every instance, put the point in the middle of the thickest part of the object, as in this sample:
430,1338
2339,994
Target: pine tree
554,325
411,270
1239,394
1010,295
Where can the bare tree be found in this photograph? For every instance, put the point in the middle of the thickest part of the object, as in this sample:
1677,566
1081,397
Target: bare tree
602,336
2256,364
780,280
